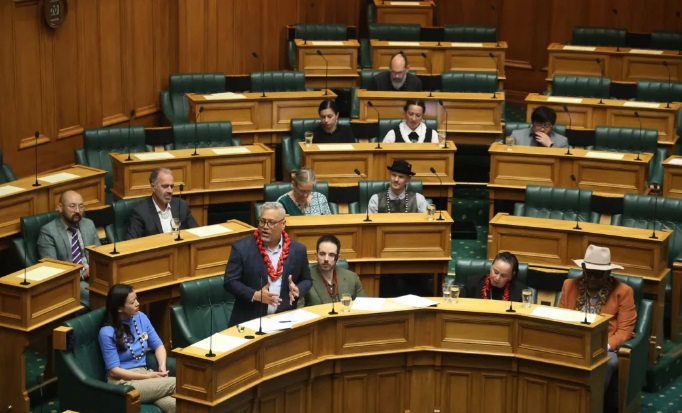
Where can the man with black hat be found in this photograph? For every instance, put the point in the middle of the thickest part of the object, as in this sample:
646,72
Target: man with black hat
397,198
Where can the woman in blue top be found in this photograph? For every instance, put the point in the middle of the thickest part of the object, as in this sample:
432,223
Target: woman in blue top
125,338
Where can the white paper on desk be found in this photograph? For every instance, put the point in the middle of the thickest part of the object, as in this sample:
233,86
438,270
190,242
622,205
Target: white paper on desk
562,314
209,230
675,161
151,156
294,317
221,343
41,273
224,95
634,104
231,150
415,301
604,155
326,42
562,99
269,325
645,51
58,177
580,48
368,303
403,3
403,43
465,44
9,189
336,147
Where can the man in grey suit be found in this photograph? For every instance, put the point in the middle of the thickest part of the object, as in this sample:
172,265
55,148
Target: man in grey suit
541,133
66,237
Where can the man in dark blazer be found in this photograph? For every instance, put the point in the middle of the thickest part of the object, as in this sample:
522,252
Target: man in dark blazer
267,271
398,79
154,215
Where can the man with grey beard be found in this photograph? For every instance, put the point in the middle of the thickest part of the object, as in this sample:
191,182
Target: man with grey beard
398,79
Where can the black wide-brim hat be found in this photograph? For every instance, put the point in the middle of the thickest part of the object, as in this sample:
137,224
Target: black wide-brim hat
401,166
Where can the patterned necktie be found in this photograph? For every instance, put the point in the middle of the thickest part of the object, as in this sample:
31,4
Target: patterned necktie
76,255
414,137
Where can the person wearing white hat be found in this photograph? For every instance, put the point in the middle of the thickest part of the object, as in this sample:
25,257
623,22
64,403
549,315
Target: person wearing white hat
597,292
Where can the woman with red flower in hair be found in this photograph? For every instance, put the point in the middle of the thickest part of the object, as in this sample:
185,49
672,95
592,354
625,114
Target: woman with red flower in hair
500,283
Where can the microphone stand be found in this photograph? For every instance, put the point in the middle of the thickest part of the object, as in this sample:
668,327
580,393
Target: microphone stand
182,187
653,233
210,330
260,317
492,56
130,132
262,72
333,311
114,252
440,193
357,172
665,63
601,77
584,277
23,234
570,122
511,309
440,102
371,105
326,73
196,120
492,6
577,215
430,72
615,12
36,184
639,141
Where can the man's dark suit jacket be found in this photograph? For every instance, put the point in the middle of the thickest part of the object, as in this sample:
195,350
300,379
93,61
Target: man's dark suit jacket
144,220
246,273
382,82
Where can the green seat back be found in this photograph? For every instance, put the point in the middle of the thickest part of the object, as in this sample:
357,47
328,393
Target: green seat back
368,188
175,104
314,31
6,172
473,82
659,91
26,246
666,40
387,124
278,81
582,86
469,33
598,36
557,203
291,151
391,31
119,229
633,140
206,135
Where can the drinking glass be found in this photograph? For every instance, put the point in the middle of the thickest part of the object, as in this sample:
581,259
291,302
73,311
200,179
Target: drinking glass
510,142
346,301
454,293
527,295
446,291
308,138
431,210
441,139
175,225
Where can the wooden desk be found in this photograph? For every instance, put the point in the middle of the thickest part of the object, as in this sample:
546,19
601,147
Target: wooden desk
471,117
259,119
342,56
626,65
445,56
471,356
672,177
555,244
588,113
20,198
511,171
415,12
335,163
389,244
156,266
216,175
29,314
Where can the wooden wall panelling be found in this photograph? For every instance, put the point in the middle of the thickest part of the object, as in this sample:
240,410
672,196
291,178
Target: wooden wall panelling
114,60
467,12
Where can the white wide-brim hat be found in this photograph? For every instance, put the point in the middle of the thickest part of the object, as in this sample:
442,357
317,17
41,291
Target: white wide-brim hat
597,258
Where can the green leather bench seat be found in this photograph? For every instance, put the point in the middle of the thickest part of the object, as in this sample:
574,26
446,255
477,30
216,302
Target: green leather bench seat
470,33
206,134
272,192
291,151
314,31
26,246
118,230
666,40
557,203
581,86
6,172
175,104
598,36
469,82
278,81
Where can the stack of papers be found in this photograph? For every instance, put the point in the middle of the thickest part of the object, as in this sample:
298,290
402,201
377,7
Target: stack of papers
9,189
415,301
562,314
151,156
221,343
209,230
41,273
58,177
368,303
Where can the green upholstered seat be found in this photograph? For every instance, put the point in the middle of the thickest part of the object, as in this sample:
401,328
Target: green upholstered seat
368,188
278,81
666,40
6,172
659,91
469,33
191,319
387,124
314,31
175,104
598,36
206,134
557,203
291,151
465,268
510,127
473,82
26,246
633,140
633,355
582,86
386,31
271,192
119,229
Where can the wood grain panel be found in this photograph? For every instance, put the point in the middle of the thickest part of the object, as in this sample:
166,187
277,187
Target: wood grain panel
114,60
68,71
143,24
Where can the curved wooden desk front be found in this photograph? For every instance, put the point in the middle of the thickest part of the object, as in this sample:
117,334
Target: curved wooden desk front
472,356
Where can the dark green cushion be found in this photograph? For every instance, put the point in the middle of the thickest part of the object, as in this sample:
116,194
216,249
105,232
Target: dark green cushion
598,36
582,86
206,135
469,33
175,104
278,81
6,172
557,203
659,91
666,40
26,246
391,31
633,140
123,209
473,82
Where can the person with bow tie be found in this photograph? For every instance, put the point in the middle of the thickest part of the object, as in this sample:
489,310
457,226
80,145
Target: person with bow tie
412,129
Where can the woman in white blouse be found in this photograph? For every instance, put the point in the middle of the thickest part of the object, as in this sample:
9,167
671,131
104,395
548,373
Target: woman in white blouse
412,129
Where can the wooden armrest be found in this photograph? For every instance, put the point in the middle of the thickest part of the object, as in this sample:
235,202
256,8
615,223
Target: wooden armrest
60,338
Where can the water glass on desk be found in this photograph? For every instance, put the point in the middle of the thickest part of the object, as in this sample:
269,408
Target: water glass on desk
510,142
308,138
175,226
527,296
346,301
447,291
454,293
431,210
441,138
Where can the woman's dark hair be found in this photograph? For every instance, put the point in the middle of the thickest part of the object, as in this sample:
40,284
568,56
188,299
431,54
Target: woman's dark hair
116,298
328,104
510,259
543,114
416,102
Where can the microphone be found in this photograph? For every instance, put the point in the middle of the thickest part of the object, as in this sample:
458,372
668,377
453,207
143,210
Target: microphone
440,102
333,311
440,192
262,71
615,13
492,6
358,173
210,330
260,331
36,184
196,120
23,234
601,76
326,72
492,56
584,278
510,309
665,63
570,121
640,136
430,72
114,252
182,187
130,132
653,233
577,216
371,105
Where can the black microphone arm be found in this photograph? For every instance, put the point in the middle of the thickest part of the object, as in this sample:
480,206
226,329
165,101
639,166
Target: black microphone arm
570,122
497,39
430,72
182,188
615,13
358,173
584,279
442,105
653,233
36,134
196,138
440,193
260,331
262,72
114,251
371,105
326,72
601,76
210,329
23,235
130,132
497,74
665,63
639,141
577,215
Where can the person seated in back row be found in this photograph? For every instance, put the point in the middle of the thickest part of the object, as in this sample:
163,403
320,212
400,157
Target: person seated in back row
412,129
500,284
541,133
329,130
398,79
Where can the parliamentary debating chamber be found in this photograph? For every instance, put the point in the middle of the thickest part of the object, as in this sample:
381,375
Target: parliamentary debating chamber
96,95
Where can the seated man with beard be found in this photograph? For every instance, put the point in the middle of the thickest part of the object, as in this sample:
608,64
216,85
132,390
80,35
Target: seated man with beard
398,79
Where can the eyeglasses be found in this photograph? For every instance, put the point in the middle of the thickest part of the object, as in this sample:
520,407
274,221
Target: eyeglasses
546,125
269,224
